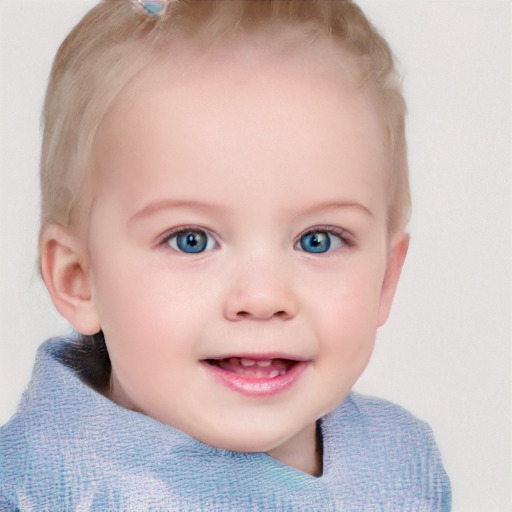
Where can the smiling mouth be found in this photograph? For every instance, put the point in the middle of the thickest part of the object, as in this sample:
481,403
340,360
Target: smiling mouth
256,368
256,377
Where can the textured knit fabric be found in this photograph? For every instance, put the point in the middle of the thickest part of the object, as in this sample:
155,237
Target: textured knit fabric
69,448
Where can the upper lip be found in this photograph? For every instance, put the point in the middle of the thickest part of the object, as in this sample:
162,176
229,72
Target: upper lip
258,357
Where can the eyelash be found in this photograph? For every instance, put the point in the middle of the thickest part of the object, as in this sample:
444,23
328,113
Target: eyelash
345,239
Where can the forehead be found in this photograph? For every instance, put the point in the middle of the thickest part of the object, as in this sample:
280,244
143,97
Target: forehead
286,62
270,113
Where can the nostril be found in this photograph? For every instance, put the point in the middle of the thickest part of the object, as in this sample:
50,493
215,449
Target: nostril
257,305
278,314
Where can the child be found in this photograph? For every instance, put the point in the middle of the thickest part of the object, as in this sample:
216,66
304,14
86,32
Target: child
224,205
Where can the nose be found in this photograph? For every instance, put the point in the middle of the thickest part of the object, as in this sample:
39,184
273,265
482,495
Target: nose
260,291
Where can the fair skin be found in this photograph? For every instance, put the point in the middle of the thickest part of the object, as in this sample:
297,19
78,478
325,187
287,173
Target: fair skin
236,255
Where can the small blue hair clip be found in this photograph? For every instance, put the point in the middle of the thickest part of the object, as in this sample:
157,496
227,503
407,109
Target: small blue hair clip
153,8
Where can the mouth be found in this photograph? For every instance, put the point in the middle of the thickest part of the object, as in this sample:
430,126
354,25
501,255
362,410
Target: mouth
257,368
256,376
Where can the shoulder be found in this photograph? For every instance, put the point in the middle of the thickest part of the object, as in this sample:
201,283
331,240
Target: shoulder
56,418
30,438
387,445
381,417
69,447
385,427
378,420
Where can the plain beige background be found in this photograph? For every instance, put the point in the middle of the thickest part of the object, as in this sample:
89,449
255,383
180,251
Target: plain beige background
446,352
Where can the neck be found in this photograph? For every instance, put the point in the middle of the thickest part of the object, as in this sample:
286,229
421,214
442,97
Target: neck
303,451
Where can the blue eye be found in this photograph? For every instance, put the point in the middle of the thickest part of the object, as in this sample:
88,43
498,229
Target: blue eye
319,241
191,241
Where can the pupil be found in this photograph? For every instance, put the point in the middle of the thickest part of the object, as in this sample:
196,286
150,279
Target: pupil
315,242
191,240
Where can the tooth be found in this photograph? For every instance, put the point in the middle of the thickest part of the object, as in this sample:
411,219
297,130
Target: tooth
273,374
247,362
264,364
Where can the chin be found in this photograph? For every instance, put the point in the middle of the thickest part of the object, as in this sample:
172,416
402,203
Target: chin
240,443
248,439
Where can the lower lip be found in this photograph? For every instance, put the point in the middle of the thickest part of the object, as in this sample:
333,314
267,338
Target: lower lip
257,386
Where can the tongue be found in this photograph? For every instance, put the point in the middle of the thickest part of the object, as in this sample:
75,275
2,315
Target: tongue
268,369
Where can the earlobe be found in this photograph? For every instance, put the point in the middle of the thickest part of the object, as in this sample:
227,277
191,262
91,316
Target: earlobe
398,251
65,273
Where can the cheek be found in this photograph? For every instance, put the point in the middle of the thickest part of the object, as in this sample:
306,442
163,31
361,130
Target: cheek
151,314
347,315
130,294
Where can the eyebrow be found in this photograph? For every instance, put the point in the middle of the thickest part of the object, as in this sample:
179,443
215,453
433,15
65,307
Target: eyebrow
159,205
338,205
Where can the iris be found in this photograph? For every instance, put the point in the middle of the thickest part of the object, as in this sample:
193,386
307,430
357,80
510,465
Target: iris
316,242
191,241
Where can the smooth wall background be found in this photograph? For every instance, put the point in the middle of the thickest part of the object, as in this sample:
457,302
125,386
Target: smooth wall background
446,352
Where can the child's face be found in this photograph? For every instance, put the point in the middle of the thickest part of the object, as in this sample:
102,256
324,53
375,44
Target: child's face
238,247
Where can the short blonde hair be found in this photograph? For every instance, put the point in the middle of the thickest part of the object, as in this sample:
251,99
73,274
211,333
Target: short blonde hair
115,41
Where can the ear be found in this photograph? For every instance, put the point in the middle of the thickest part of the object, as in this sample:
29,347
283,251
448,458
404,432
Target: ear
64,267
399,245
